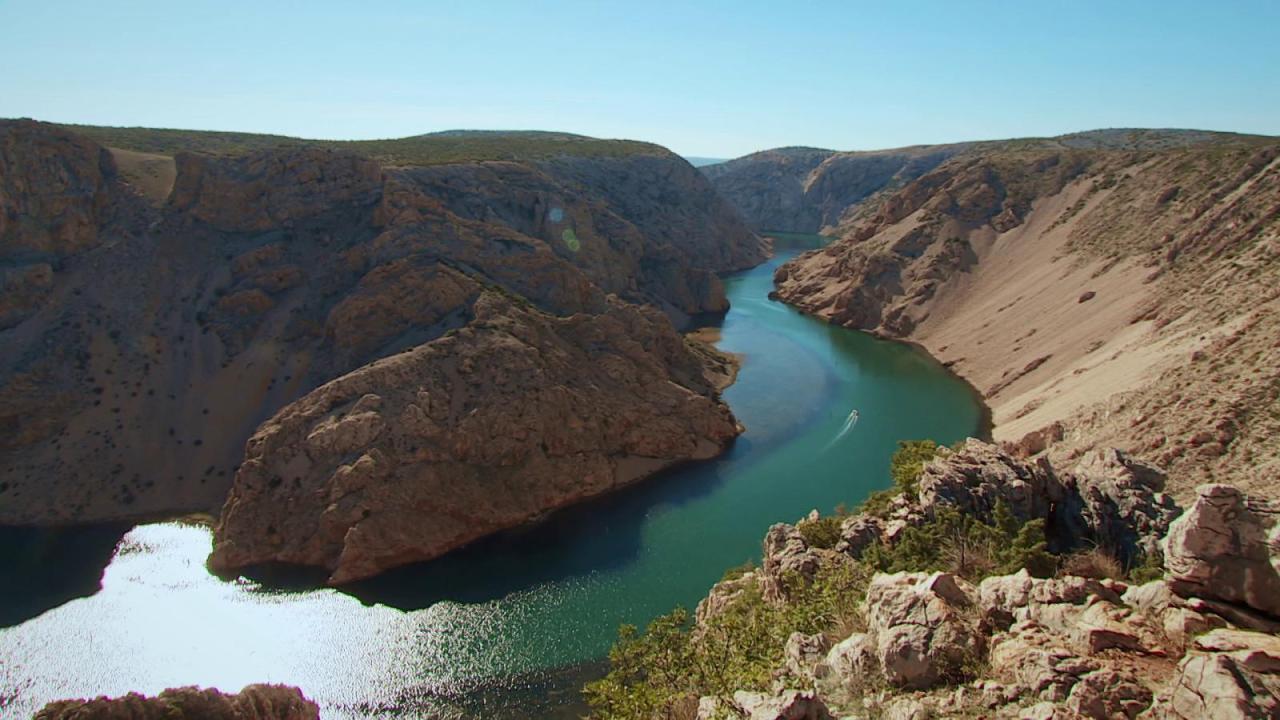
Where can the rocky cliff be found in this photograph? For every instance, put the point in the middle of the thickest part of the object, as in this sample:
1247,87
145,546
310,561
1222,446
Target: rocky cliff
146,341
1096,292
903,611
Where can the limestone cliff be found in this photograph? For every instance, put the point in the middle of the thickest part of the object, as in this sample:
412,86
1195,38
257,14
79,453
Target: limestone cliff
145,341
514,415
1096,293
949,637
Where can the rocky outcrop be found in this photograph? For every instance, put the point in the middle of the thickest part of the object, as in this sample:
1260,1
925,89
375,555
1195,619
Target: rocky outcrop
921,629
930,644
1228,674
1227,547
254,702
56,190
135,362
515,415
1108,500
267,190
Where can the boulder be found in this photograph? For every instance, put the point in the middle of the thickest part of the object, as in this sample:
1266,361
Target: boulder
976,477
787,705
923,627
1107,694
1227,675
1227,547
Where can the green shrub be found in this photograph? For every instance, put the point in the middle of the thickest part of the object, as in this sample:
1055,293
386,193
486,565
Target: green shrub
1146,568
965,545
821,533
651,674
904,468
908,462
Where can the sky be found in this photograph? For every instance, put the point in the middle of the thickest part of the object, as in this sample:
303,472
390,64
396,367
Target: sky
709,78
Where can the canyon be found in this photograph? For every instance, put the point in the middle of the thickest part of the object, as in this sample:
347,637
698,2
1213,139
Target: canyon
1113,288
150,331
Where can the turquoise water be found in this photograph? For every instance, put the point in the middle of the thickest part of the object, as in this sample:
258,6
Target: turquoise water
520,620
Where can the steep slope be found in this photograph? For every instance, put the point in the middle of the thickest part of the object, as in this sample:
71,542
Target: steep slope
1110,296
144,343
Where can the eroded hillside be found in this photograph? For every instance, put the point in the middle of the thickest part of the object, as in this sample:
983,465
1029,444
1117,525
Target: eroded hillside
148,331
1096,296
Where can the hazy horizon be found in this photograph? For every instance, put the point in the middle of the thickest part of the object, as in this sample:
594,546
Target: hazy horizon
716,80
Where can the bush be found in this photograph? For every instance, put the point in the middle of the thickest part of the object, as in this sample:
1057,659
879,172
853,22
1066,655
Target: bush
821,533
908,462
1094,563
965,545
1146,568
653,674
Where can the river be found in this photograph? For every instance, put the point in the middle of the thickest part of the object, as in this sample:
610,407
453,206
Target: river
510,626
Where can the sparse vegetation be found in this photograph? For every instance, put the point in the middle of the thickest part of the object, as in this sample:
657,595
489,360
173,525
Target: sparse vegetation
419,150
658,673
968,547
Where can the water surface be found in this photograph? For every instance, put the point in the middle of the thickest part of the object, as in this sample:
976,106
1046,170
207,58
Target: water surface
514,624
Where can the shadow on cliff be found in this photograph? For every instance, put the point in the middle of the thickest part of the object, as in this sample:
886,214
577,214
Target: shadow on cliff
597,535
42,568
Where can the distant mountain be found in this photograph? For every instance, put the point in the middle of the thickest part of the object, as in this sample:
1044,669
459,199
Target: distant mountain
803,189
704,161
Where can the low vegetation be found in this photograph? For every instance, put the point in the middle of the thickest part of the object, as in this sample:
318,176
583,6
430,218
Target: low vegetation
419,150
662,672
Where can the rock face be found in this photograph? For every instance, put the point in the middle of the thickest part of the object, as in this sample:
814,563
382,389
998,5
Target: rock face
921,632
649,229
254,702
1108,500
1229,674
515,415
142,344
271,189
1227,547
55,191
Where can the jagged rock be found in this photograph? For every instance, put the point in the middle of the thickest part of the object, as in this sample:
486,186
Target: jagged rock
1005,599
1029,656
788,705
722,595
254,702
55,191
1107,694
1228,675
978,475
858,532
786,555
1105,625
922,627
1116,502
1227,547
851,661
803,652
427,450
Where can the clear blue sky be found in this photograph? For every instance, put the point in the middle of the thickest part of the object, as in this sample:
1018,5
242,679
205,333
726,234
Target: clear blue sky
704,78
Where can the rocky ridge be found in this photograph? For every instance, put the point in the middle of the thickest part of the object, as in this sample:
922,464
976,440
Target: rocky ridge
932,644
148,341
1097,295
254,702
